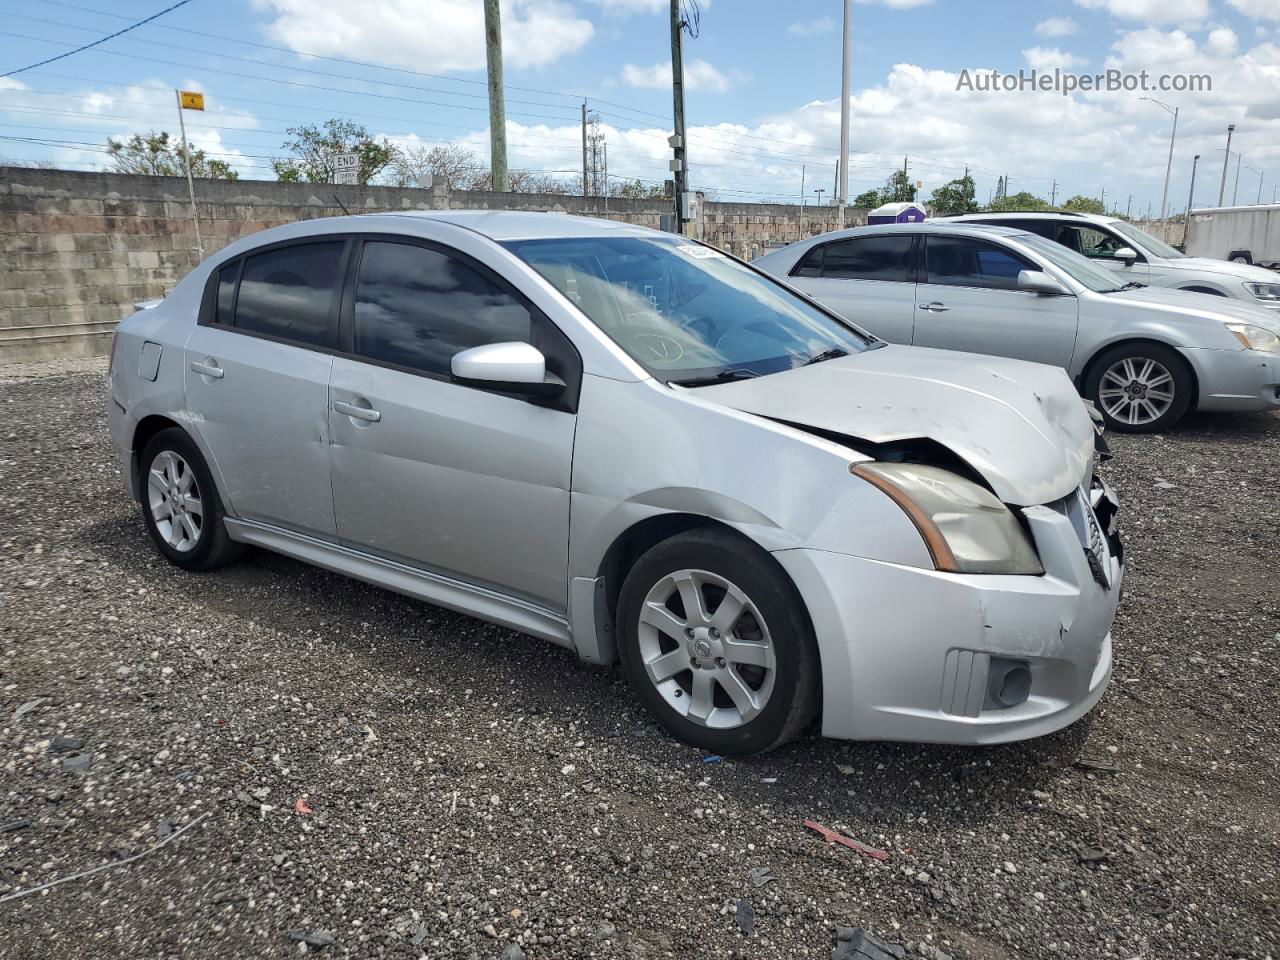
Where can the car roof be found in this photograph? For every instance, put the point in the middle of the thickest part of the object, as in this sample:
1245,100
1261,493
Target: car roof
1031,215
502,225
927,226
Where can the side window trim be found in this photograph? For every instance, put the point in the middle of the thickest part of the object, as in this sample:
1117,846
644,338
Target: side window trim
208,316
346,319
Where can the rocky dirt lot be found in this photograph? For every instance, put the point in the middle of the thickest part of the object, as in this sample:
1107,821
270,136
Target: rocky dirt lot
323,759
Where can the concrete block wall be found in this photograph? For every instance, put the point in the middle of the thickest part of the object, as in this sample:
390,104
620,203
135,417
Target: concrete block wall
78,250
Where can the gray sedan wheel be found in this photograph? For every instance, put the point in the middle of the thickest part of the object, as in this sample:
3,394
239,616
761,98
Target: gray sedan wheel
715,640
1140,387
180,503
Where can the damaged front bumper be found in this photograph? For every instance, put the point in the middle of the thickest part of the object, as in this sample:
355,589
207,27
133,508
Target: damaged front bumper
915,654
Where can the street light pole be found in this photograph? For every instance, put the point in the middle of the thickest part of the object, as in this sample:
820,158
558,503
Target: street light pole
844,117
1168,170
1235,192
1191,194
1226,159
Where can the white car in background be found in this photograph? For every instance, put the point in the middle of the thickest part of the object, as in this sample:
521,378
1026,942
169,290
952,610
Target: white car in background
1143,355
1139,257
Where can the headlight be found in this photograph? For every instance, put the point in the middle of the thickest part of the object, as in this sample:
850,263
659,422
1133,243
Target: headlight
966,529
1255,338
1270,292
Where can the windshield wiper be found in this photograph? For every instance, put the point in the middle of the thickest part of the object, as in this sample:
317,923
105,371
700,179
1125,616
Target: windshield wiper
724,376
1133,285
835,353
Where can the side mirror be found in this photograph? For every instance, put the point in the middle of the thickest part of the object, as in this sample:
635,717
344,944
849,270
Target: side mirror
510,367
1128,255
1037,281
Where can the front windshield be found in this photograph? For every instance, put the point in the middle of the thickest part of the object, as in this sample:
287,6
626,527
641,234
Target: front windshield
687,312
1144,239
1077,265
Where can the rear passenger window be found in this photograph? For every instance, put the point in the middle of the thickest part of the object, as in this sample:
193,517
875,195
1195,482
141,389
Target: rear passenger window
869,258
416,307
291,292
227,278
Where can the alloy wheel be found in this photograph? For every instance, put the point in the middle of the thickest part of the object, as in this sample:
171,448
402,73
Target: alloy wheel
706,649
173,496
1136,391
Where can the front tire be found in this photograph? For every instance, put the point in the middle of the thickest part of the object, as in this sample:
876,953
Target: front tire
714,639
180,504
1140,387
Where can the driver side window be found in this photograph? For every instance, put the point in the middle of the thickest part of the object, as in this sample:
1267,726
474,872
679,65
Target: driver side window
1093,243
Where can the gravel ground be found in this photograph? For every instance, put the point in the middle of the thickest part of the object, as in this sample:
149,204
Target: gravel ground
345,762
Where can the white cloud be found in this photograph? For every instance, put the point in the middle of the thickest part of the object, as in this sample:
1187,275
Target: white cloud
1222,42
1152,11
1051,58
440,35
1258,9
1056,27
625,7
812,28
698,75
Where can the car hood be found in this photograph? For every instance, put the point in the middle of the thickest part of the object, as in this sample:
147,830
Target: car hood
1247,272
1021,426
1200,305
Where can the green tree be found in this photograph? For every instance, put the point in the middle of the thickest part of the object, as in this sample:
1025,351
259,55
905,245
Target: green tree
954,198
868,198
1084,205
897,189
638,190
312,150
1017,201
159,155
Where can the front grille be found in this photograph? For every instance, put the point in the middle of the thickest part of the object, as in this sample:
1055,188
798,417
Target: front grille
1092,514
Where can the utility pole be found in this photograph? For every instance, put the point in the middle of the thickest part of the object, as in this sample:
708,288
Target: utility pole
1226,159
497,109
1128,207
679,165
1053,194
186,162
1104,199
843,196
801,201
1235,192
584,148
1191,194
1261,173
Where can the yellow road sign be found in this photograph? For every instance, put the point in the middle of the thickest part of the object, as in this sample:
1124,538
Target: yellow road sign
191,100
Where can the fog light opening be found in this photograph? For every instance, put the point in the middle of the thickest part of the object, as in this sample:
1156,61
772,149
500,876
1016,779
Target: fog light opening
1008,683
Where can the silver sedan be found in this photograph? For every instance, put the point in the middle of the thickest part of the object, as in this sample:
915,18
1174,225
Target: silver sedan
1144,355
629,444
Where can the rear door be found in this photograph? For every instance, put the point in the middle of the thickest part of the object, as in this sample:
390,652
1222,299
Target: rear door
868,280
469,483
257,381
969,300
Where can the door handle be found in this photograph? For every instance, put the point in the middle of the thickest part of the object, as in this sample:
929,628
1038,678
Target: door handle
935,307
360,413
208,368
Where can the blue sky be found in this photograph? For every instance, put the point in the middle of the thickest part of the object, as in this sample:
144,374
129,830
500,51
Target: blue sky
764,86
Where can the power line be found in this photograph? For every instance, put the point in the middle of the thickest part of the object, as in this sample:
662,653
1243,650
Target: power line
132,26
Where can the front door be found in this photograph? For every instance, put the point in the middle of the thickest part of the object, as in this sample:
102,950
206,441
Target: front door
970,301
257,380
467,483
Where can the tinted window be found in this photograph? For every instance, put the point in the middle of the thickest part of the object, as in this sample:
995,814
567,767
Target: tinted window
1045,228
227,278
810,264
1089,241
416,307
290,292
963,262
869,258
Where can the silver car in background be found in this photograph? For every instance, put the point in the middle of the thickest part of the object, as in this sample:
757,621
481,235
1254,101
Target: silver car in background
634,446
1136,256
1144,355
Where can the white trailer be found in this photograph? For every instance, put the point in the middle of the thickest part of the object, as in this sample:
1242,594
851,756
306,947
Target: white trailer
1243,234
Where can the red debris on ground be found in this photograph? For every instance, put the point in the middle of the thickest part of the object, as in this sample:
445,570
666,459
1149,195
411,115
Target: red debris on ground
832,837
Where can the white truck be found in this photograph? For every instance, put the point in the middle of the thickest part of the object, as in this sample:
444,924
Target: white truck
1242,234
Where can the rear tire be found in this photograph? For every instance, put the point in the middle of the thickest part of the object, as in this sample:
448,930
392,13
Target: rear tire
1140,387
180,504
739,674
